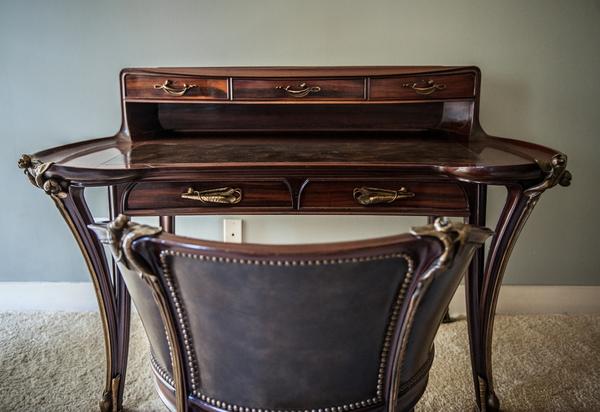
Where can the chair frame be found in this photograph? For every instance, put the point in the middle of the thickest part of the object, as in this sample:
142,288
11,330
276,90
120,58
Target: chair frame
444,239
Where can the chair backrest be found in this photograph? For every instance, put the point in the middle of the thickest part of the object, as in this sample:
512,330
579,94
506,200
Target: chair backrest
330,327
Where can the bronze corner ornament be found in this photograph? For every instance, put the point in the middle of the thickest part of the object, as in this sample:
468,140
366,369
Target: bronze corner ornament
35,171
556,173
450,234
119,236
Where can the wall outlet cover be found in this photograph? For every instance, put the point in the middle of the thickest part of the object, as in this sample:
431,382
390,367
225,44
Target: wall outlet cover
232,230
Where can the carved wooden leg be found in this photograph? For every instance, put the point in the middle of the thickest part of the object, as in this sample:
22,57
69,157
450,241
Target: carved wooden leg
71,204
473,288
74,210
482,291
123,309
123,303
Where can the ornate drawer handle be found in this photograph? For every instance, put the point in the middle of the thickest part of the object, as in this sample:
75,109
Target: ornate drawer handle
168,88
431,87
220,196
302,92
371,195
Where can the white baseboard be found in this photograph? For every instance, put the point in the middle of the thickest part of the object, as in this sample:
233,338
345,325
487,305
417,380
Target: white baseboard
531,299
79,297
47,296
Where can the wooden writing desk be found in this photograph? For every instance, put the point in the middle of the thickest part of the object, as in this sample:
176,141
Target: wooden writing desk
352,140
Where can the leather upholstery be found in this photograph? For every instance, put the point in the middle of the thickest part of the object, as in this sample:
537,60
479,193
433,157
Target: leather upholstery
288,337
141,296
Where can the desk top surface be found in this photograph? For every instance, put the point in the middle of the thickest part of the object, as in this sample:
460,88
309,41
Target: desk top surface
486,159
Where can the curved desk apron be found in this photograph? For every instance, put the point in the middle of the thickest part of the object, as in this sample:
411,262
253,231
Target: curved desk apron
338,140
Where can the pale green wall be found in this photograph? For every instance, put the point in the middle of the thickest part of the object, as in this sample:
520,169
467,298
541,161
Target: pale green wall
59,62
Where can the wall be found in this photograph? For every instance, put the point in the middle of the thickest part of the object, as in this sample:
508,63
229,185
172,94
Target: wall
540,60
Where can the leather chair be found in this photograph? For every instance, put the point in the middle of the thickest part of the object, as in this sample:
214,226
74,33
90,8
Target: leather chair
261,328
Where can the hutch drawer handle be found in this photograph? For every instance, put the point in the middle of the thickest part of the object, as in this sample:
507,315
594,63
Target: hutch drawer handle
168,88
371,195
302,92
220,196
429,89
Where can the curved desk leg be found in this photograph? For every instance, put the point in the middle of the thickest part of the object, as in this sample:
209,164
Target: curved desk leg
477,195
483,288
123,310
70,201
482,291
74,210
123,303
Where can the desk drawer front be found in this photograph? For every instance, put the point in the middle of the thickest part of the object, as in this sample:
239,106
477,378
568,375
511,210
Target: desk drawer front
381,195
175,88
299,89
423,87
208,195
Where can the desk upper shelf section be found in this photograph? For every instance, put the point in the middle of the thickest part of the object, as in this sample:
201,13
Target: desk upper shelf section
346,99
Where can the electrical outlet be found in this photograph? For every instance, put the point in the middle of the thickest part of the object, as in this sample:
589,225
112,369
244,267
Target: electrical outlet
232,230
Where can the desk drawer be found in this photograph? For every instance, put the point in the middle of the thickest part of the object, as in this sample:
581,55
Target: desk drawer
185,197
423,87
299,89
402,196
175,88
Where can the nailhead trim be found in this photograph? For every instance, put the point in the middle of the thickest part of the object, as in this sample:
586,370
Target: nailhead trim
162,372
169,346
182,318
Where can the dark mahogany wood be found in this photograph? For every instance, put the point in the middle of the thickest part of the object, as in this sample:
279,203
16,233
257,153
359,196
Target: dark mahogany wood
143,87
113,160
477,194
167,197
123,317
375,126
168,223
295,117
77,215
483,290
318,89
336,195
448,87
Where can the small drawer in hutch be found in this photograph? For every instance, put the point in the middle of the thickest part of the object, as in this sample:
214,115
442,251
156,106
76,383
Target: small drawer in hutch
175,88
299,89
423,87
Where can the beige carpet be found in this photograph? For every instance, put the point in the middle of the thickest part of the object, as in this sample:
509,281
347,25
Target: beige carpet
55,362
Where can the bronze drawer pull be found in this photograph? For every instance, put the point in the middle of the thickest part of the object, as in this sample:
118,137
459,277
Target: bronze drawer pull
168,88
303,92
219,196
371,195
431,87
